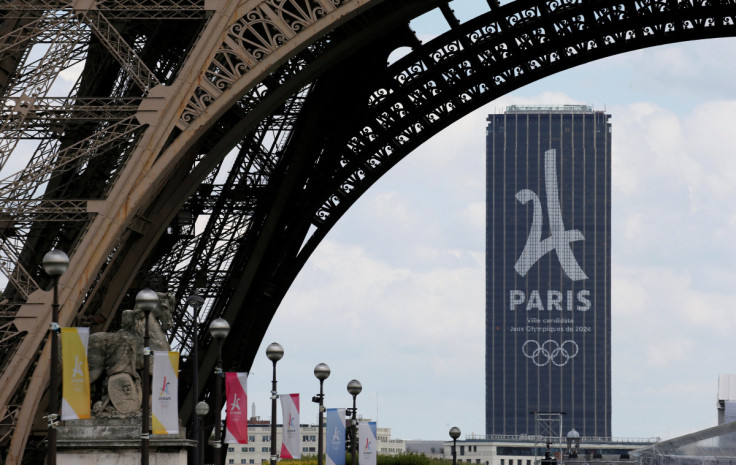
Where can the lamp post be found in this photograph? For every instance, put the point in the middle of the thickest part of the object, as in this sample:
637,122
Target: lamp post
454,434
548,459
321,372
201,409
196,302
573,443
219,330
274,352
55,264
146,300
354,388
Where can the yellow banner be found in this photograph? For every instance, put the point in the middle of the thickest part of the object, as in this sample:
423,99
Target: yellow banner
75,404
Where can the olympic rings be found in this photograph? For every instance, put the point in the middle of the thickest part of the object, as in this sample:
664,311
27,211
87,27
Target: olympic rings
550,351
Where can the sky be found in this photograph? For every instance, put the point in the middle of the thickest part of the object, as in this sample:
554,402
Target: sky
394,295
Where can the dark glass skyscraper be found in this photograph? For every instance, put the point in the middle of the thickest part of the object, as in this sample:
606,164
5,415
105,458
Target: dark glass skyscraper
548,269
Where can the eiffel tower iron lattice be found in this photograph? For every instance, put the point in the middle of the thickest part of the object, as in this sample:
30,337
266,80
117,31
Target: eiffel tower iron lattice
208,146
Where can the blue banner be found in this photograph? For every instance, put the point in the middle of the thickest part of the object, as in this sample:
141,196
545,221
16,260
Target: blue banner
335,437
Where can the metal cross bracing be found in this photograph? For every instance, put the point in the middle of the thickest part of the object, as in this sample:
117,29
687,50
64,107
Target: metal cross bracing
38,71
77,109
51,115
118,9
298,90
84,138
200,260
207,257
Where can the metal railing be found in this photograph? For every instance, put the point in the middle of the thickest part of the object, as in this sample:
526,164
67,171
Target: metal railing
583,440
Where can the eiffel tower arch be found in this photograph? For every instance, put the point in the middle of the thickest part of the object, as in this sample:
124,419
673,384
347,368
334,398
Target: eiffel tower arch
208,146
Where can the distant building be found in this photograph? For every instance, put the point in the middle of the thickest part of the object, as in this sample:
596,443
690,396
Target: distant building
258,449
388,446
432,449
726,399
712,446
524,450
548,269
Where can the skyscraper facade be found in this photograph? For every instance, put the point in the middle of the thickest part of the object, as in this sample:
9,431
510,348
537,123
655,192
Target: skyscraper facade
548,269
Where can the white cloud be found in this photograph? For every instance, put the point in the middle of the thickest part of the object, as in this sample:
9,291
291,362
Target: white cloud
668,352
386,326
634,227
475,214
71,74
392,208
712,140
394,298
654,148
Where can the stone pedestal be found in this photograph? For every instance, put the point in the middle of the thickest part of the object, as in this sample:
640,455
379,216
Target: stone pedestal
117,442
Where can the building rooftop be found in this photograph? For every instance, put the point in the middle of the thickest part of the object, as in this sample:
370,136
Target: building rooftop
549,109
586,440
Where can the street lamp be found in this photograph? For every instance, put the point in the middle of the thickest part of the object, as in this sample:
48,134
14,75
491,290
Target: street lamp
219,330
274,352
354,388
321,372
146,300
573,443
454,434
55,264
195,301
201,410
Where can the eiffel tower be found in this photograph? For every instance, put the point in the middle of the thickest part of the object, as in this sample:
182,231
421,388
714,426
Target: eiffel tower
207,146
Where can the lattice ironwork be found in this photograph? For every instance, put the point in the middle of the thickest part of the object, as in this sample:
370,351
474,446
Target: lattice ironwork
123,53
250,40
494,54
230,208
118,9
263,81
83,140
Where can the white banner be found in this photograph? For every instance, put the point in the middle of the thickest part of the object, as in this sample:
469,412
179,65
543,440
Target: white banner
367,443
165,398
290,440
236,391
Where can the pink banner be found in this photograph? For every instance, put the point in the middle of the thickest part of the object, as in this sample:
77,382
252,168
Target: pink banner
290,439
236,429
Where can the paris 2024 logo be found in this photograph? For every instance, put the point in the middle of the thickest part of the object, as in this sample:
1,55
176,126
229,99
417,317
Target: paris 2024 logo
551,351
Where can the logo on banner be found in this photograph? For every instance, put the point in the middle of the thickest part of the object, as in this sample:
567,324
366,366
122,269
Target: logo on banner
77,370
550,352
165,387
336,437
291,421
368,445
560,239
235,403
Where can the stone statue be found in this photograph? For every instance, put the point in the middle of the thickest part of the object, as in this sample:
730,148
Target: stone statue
119,357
